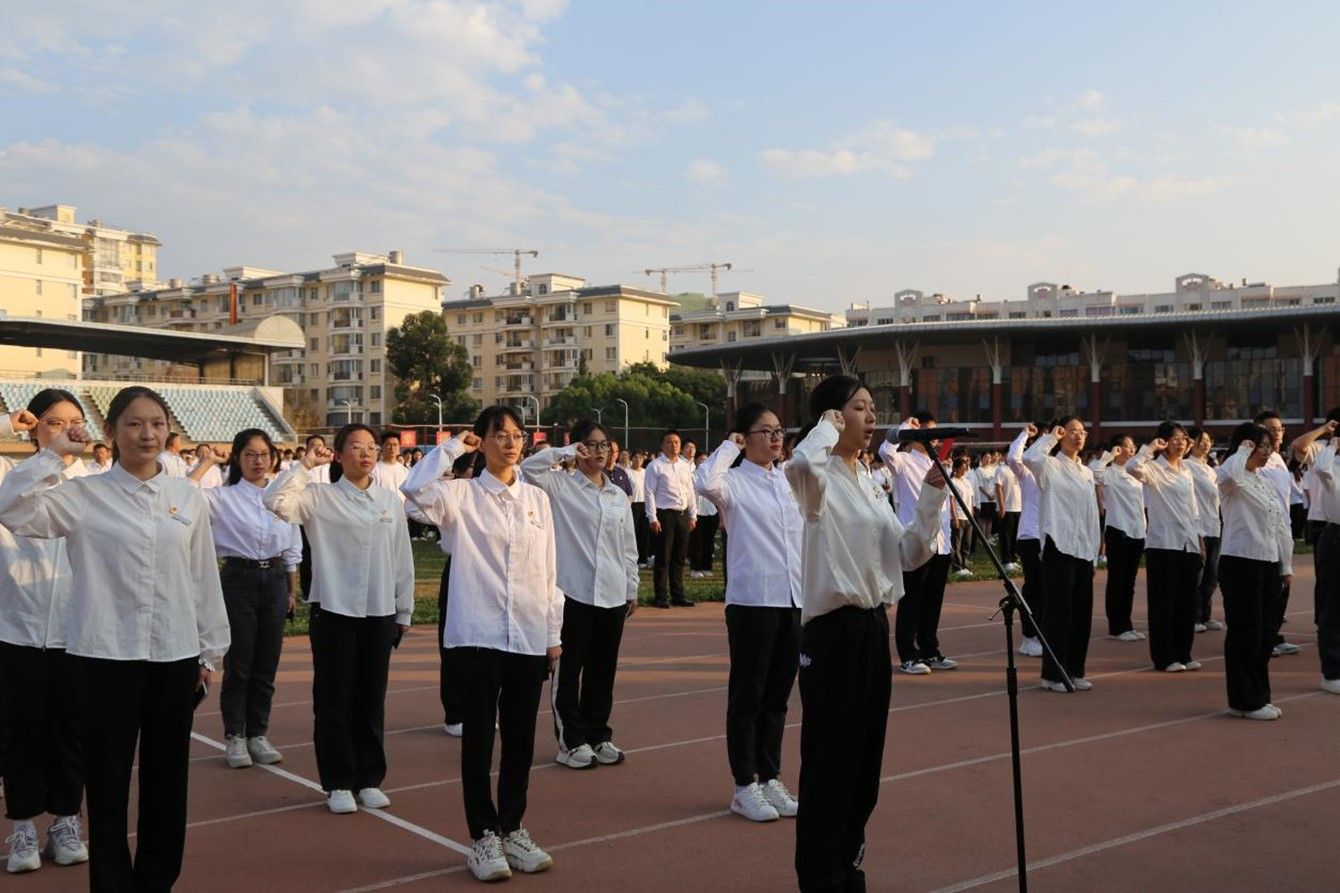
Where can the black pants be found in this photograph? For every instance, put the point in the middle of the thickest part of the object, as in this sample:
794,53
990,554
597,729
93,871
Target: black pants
986,519
40,744
1328,600
1279,610
125,702
582,690
1250,589
642,532
1009,537
1030,557
447,689
305,566
1123,566
1209,579
257,603
1171,579
846,681
961,544
917,623
672,549
703,542
498,686
1067,586
764,650
351,657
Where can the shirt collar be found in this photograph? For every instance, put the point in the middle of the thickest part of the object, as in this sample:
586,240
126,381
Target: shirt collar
496,487
130,483
348,487
755,469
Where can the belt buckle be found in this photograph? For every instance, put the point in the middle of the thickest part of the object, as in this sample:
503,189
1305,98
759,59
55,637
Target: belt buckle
264,564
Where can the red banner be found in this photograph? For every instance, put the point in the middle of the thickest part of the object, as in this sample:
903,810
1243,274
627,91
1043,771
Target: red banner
409,439
443,436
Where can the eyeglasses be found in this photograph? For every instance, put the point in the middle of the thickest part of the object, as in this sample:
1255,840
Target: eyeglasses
598,446
61,424
508,439
364,450
770,433
255,457
1177,438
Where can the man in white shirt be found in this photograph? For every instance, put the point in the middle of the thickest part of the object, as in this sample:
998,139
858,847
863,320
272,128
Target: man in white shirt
319,474
102,459
672,511
211,477
983,478
703,540
1277,472
388,473
1325,462
173,464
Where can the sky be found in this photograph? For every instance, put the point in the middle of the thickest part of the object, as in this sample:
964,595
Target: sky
833,152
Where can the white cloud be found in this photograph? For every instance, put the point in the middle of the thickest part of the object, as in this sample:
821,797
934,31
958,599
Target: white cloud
1311,117
1085,114
1098,177
882,147
706,172
1252,140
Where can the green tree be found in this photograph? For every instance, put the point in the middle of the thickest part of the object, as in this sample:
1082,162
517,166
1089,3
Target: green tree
653,402
703,385
425,361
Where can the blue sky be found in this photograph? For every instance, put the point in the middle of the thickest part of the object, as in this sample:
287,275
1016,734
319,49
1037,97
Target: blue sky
838,151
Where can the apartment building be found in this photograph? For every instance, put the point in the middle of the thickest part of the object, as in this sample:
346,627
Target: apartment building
41,275
534,339
740,316
115,260
343,310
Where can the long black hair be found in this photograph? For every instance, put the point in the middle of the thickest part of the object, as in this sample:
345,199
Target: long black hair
121,402
47,398
240,442
491,419
832,393
336,469
1247,431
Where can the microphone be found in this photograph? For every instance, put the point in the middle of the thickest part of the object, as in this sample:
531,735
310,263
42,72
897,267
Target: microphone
926,435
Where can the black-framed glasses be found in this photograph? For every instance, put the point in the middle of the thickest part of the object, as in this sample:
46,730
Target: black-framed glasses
770,433
598,446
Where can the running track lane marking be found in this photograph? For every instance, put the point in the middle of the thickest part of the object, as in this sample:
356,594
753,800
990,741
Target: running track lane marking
387,817
1147,833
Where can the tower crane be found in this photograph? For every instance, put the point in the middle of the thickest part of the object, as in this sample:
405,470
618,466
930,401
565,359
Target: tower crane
688,268
517,254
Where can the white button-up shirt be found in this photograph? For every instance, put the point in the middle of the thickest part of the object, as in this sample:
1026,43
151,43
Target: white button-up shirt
909,469
390,476
35,580
670,486
504,577
174,466
593,531
146,581
1170,495
318,475
244,528
1255,523
1030,499
759,511
1011,495
1326,468
94,468
638,478
968,490
854,548
213,476
361,560
1068,501
1207,494
984,478
1124,498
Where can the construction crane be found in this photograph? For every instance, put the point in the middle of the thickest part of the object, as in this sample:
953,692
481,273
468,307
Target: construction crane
690,268
517,254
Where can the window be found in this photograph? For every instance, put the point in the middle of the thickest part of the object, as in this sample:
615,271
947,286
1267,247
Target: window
586,308
586,331
1221,305
928,362
376,366
477,384
544,289
779,323
588,354
460,319
931,317
730,336
647,334
39,255
376,290
1130,310
611,353
477,340
1324,299
39,286
316,343
376,313
257,300
1068,312
479,318
1018,314
376,339
74,291
478,360
315,371
1163,308
888,320
609,330
611,306
375,392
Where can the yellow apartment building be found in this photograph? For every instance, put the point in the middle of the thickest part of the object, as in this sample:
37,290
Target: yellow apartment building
41,275
740,316
115,260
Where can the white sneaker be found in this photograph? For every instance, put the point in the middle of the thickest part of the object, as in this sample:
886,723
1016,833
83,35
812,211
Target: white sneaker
577,758
65,845
750,803
263,752
1200,627
1278,711
914,668
608,753
1013,568
1081,684
23,854
523,854
373,798
1285,648
238,758
1214,625
1130,636
1193,665
1266,713
1331,685
454,729
486,859
940,662
1048,685
1030,647
1175,667
341,802
781,799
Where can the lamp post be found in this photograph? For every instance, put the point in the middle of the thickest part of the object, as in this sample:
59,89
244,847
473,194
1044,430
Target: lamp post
537,408
707,433
348,410
600,413
625,420
438,400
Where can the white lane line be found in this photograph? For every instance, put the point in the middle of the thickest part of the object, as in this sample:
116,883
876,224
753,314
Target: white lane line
1145,834
381,814
308,702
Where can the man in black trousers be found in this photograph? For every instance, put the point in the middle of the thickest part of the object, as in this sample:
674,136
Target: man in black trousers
673,513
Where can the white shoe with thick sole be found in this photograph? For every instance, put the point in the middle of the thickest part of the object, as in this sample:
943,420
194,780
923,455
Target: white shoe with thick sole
1193,665
454,729
1175,667
577,758
1048,685
373,798
750,803
914,668
781,799
1285,648
23,853
1082,684
1200,627
1130,636
238,757
1265,714
263,753
940,662
608,753
65,845
523,854
1031,647
341,802
1214,625
1331,685
486,860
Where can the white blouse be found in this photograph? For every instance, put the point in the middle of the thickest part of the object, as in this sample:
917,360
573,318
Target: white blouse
1068,503
593,531
1030,499
146,581
1170,495
855,548
1326,468
1254,523
1010,491
1124,498
638,477
759,511
909,468
1207,495
245,528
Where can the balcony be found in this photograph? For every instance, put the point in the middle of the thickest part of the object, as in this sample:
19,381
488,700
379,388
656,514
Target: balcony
567,318
524,345
519,366
518,385
561,341
518,321
337,322
350,350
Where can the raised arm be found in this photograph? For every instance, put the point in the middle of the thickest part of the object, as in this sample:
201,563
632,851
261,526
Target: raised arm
1233,473
1138,466
1303,443
291,495
30,504
541,469
710,479
1036,457
809,463
1324,461
424,485
1014,456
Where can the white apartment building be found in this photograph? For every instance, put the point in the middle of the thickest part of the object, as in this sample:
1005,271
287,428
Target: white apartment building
115,259
740,316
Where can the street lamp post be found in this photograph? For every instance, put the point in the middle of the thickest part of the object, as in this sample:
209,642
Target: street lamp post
600,413
707,432
348,410
625,420
438,400
537,408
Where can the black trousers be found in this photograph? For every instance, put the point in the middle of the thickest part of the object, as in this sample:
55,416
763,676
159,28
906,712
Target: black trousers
846,682
961,544
703,542
1171,580
764,650
40,746
1030,557
1251,589
642,532
1067,586
257,603
1209,579
1009,537
305,566
917,622
986,519
351,657
448,691
1123,566
125,703
500,687
672,549
582,690
1279,610
1328,600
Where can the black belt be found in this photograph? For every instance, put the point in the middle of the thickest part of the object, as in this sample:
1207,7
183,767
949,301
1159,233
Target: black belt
263,564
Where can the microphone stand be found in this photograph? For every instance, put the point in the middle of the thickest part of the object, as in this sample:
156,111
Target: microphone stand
1011,602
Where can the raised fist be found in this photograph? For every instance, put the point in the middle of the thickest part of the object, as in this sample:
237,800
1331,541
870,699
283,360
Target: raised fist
1158,444
836,419
470,440
582,452
70,442
1058,432
1031,429
23,420
738,439
914,422
205,453
316,456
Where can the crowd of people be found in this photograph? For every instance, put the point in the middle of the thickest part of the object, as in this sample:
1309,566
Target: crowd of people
131,576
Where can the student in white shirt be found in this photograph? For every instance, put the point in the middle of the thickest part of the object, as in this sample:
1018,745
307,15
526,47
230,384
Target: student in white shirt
637,476
362,600
758,508
146,627
1255,562
319,474
389,473
1070,536
854,550
207,465
597,573
102,459
703,540
962,481
1322,456
983,479
170,458
1207,500
1173,552
259,572
40,747
1122,503
504,623
1276,470
1009,503
672,513
1028,542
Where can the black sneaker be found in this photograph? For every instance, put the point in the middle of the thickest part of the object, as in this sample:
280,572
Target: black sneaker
683,603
